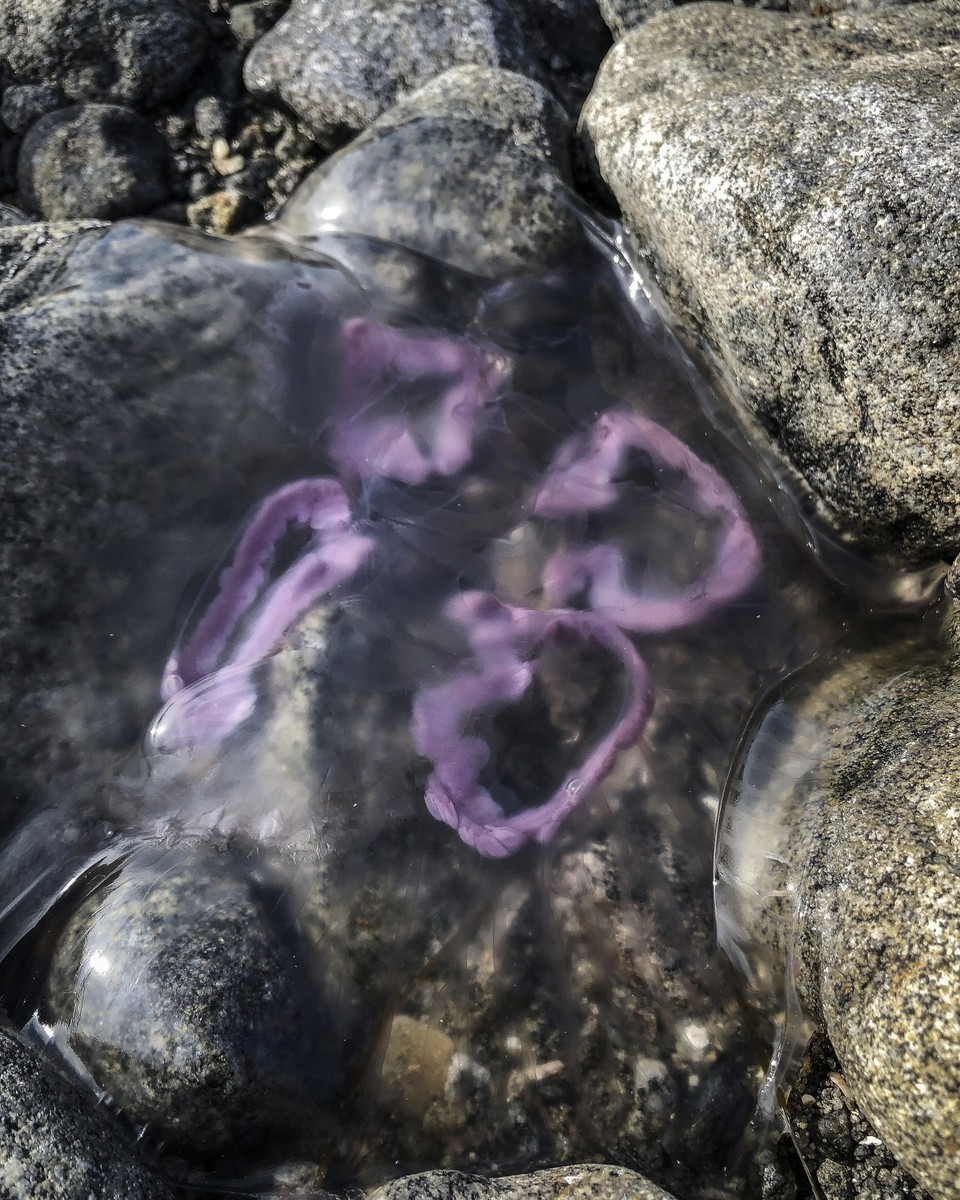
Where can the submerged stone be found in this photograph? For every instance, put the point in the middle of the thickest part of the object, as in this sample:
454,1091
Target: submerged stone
199,1011
470,169
56,1142
792,186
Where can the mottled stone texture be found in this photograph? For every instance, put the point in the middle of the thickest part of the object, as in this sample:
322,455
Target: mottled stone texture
624,15
139,52
340,63
793,184
869,833
56,1143
560,1183
469,169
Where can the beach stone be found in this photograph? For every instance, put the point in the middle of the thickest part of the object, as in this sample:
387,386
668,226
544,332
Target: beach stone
469,169
340,63
56,1143
22,104
624,15
823,281
585,1182
137,52
193,1005
93,160
842,851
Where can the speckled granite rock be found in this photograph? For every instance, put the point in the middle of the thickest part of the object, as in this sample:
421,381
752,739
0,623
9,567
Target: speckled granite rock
56,1143
198,1009
138,52
840,845
86,529
624,15
823,279
468,169
582,1182
340,64
93,160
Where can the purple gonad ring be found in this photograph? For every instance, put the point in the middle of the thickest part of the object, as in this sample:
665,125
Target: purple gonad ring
368,443
505,641
582,479
248,617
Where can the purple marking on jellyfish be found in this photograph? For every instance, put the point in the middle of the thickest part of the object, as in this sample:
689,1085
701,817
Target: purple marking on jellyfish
582,479
334,554
505,641
366,444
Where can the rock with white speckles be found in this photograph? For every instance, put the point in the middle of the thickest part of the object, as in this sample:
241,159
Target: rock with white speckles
793,184
585,1182
56,1143
340,63
470,169
839,847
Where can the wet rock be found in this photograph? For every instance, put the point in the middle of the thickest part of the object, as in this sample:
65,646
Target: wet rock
839,846
220,213
823,279
98,482
339,65
93,160
469,169
25,103
836,1141
588,1182
137,52
56,1143
197,1009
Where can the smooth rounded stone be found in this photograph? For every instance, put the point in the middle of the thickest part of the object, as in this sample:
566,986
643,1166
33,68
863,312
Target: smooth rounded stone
839,849
586,1182
138,52
470,169
823,281
56,1143
340,63
93,160
191,999
24,103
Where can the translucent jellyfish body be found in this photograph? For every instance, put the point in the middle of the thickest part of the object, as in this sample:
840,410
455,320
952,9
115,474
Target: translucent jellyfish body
836,885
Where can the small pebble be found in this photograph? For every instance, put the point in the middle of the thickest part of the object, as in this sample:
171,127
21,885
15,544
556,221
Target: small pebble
211,118
221,212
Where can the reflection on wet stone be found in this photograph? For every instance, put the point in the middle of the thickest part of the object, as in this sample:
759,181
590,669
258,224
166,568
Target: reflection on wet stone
441,602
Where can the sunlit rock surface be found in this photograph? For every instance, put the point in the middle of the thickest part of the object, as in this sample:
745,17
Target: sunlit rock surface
792,184
340,65
493,146
837,895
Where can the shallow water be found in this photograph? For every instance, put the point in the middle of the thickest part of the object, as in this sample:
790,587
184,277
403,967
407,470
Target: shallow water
433,745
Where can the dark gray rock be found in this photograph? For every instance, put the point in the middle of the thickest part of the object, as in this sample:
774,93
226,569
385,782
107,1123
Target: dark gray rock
56,1143
469,169
340,63
25,103
198,1009
569,39
130,363
93,160
138,52
584,1182
822,280
211,118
